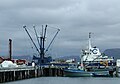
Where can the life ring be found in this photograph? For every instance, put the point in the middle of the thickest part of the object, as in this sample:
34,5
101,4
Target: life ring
94,51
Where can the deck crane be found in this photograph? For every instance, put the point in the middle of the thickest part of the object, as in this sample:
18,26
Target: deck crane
41,42
36,35
52,40
31,39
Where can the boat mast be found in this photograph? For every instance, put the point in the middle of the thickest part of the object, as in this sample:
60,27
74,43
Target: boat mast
89,45
42,44
89,42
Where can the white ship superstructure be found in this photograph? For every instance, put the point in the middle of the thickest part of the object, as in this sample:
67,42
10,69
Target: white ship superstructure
93,54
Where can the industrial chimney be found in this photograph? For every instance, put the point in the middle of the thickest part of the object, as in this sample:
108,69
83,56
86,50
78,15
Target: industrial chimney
10,48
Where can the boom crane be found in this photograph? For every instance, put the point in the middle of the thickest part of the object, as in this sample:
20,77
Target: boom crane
36,35
31,39
41,42
52,40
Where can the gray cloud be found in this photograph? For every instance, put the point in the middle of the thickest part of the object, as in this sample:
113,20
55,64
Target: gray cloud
75,18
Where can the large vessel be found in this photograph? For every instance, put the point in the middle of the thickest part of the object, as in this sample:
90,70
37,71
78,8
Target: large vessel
94,60
93,63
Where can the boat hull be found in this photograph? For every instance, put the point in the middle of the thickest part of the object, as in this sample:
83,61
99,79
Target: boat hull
77,73
82,73
101,74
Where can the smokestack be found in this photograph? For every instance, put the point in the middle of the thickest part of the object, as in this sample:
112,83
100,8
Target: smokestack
10,48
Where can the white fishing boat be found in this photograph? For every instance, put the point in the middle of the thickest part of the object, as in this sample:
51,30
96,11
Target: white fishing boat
97,62
93,63
93,54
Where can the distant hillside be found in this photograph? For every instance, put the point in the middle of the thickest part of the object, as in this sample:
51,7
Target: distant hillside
27,57
113,52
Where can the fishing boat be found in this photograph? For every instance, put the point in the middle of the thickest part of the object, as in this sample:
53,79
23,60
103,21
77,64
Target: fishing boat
77,72
93,63
97,62
83,73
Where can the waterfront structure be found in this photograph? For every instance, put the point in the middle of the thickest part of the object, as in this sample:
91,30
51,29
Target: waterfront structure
20,72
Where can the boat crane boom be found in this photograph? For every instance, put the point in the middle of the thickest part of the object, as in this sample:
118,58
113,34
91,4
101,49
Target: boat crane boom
52,40
31,39
41,42
36,35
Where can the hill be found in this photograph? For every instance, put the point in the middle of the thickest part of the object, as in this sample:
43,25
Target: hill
27,57
113,52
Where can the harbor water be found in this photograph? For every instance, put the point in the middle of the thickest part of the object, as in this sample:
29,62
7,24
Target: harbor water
69,80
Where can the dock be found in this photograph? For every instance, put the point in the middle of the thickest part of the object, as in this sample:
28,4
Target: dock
19,73
27,72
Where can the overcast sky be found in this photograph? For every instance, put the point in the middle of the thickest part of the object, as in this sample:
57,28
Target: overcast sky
75,18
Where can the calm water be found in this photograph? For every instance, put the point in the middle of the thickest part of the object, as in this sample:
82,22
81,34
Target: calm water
68,80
